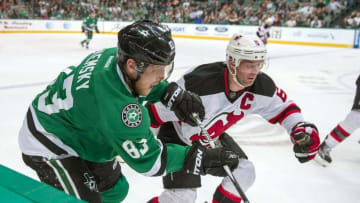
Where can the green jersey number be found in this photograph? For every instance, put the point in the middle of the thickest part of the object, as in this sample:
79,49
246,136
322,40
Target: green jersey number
58,103
131,149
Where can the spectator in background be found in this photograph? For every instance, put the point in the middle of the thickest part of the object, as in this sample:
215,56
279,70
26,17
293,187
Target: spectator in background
349,22
233,18
316,23
245,12
277,21
300,21
253,20
357,20
209,17
335,7
306,10
291,22
320,6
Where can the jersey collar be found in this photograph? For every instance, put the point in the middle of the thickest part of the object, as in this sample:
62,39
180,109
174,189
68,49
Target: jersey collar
121,76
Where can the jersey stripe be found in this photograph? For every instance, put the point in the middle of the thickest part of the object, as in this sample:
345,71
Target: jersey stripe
158,163
43,139
292,108
154,116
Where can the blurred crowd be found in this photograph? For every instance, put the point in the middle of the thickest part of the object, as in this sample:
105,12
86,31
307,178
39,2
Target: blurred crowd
290,13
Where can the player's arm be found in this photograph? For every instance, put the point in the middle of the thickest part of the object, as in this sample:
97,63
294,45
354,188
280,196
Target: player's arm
304,135
96,26
181,102
150,157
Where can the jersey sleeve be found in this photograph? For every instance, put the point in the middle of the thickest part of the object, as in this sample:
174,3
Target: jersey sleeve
282,110
150,157
125,124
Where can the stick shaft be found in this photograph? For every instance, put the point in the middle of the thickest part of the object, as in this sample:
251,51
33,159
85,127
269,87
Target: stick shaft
226,167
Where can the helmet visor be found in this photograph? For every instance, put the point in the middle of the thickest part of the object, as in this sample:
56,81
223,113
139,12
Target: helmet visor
162,71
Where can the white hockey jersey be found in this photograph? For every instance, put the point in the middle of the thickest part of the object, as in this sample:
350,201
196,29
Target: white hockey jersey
224,108
263,32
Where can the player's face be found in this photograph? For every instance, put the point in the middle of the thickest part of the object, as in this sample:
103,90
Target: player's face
152,76
247,71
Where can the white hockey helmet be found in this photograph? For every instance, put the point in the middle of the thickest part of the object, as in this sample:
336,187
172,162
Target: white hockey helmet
242,47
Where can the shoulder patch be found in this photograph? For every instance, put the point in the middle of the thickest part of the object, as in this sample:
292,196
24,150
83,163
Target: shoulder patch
131,115
263,85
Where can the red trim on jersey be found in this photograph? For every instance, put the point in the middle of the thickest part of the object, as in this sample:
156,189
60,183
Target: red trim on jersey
343,131
154,126
285,113
226,82
228,194
155,200
335,136
156,115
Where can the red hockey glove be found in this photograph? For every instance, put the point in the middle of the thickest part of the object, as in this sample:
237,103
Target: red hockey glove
305,138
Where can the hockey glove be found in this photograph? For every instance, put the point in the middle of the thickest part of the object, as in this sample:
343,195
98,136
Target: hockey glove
227,142
97,30
82,29
201,160
305,138
183,103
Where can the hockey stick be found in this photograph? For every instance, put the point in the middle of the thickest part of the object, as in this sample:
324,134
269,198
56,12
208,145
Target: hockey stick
226,167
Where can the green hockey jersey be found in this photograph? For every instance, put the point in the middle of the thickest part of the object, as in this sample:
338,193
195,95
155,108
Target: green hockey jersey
90,23
91,109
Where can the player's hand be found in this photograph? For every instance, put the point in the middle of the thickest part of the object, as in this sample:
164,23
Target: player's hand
183,103
227,142
200,160
305,138
82,29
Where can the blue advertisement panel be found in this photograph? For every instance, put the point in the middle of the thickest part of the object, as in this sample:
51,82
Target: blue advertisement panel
357,39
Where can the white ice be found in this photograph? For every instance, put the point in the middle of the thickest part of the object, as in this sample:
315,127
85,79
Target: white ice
320,80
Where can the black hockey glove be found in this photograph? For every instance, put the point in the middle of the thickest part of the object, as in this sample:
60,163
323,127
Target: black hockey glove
305,138
183,103
82,29
200,160
227,142
97,30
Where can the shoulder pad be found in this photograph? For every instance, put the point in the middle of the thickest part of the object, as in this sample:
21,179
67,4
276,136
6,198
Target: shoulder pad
263,85
206,79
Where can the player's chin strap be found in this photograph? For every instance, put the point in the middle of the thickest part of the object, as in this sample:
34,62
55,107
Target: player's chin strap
235,78
132,84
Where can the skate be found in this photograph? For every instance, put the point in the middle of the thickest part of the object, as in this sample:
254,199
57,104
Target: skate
82,44
323,156
87,46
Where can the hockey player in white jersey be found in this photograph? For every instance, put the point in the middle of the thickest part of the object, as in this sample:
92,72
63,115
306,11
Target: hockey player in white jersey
263,31
342,131
230,90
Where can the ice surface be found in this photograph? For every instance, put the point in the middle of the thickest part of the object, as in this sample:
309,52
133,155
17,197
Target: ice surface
320,80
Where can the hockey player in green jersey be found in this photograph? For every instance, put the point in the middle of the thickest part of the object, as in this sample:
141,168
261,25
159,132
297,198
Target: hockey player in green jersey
93,112
88,26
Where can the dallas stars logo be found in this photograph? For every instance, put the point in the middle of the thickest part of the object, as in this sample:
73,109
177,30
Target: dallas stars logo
131,115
